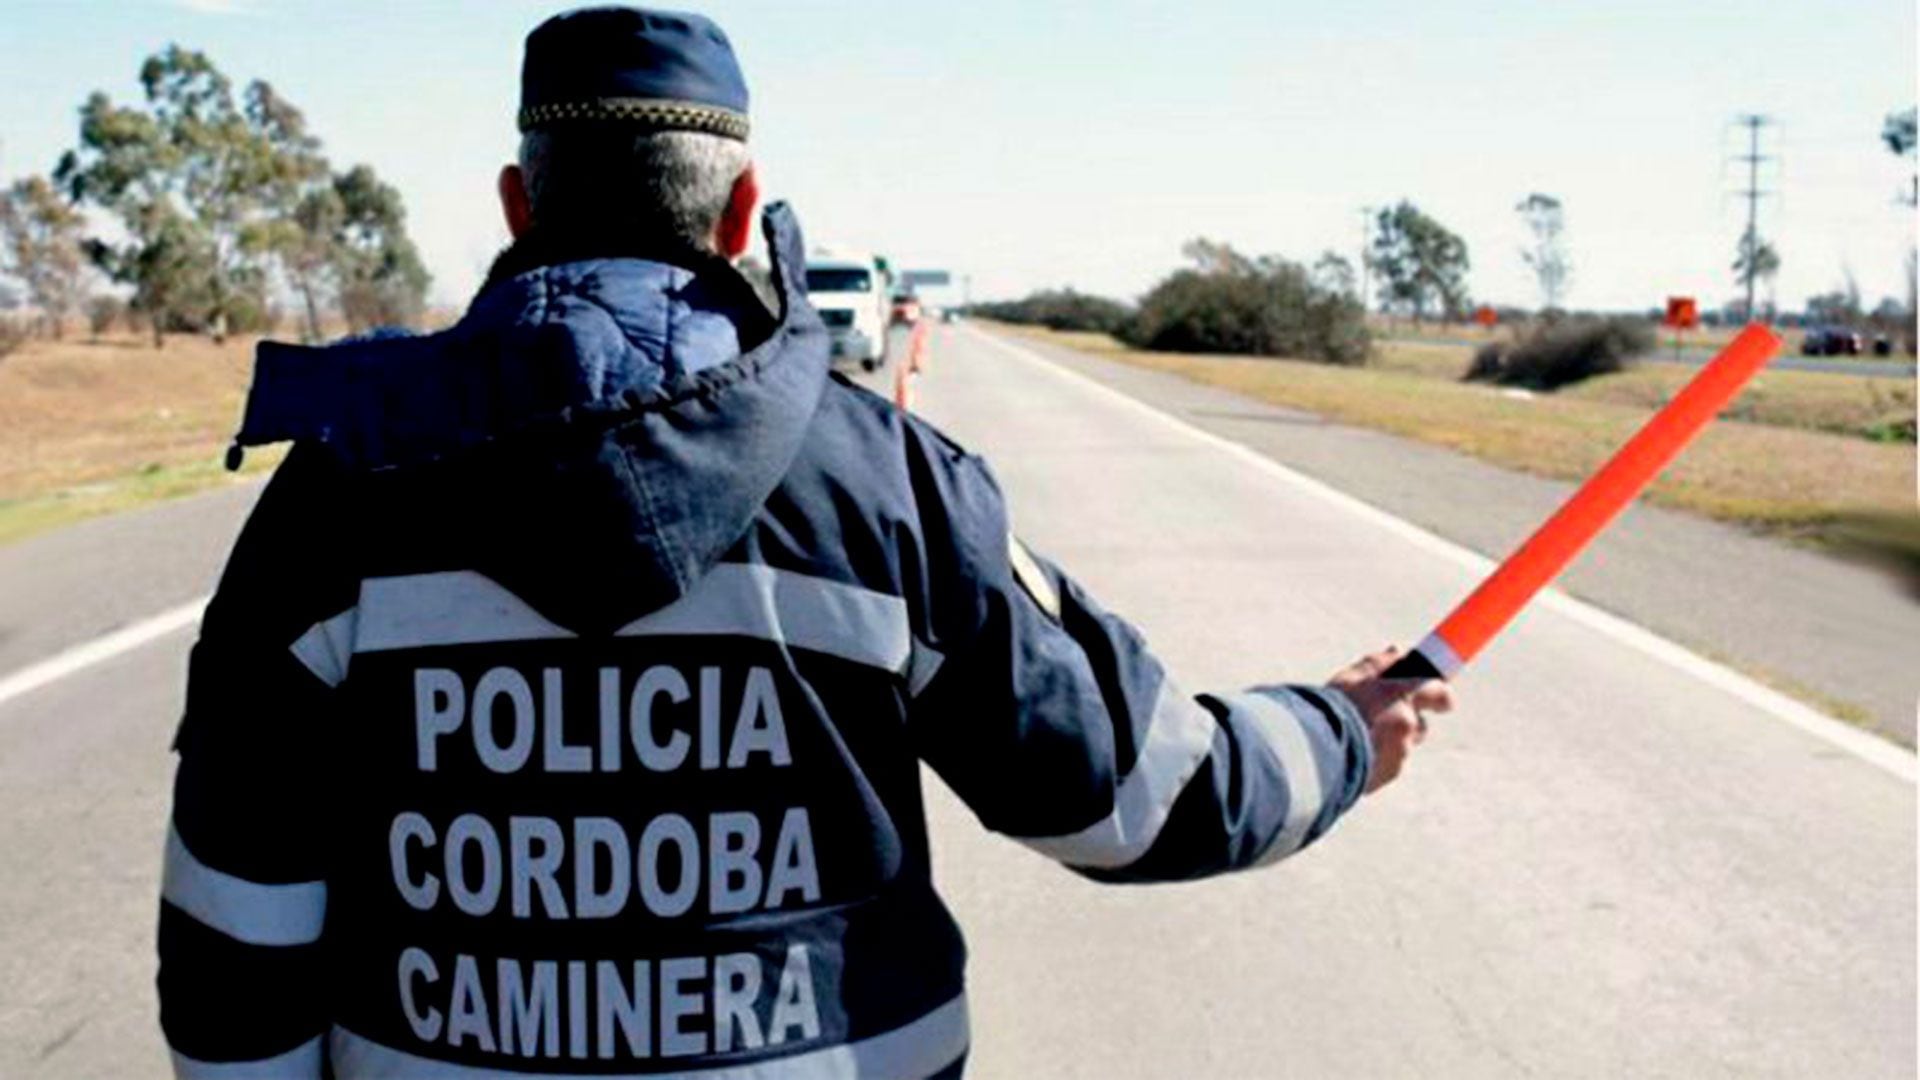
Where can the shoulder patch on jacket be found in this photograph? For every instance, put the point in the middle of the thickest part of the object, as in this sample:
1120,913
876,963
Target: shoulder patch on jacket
1033,580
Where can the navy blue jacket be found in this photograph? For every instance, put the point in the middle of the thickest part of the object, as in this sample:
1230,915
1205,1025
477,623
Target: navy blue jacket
562,708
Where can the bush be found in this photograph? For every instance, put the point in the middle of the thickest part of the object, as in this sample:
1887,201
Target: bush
1260,307
1562,353
249,313
1059,309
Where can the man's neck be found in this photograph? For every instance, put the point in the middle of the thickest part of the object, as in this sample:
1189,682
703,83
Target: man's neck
537,248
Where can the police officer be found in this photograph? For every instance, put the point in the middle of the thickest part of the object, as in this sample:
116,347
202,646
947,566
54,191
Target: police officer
561,708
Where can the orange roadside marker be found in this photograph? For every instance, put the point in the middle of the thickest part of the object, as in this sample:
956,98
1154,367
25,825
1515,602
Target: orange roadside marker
916,360
902,391
1488,610
917,347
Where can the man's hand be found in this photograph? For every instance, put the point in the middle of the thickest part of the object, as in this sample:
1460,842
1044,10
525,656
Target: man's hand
1394,710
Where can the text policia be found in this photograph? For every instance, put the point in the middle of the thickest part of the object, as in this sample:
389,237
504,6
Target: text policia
738,860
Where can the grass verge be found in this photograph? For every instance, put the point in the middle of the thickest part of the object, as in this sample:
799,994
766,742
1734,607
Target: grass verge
95,427
1859,405
20,518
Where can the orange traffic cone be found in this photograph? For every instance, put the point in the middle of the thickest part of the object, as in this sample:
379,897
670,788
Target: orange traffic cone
917,348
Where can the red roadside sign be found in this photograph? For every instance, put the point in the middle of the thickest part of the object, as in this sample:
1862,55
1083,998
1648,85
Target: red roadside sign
1682,313
1486,316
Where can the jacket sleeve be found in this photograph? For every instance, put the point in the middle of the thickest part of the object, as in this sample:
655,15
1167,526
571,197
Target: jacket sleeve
243,894
1054,722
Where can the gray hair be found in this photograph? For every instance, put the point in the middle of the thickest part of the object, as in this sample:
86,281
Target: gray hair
670,186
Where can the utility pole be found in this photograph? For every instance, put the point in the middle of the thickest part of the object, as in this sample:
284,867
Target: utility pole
1750,243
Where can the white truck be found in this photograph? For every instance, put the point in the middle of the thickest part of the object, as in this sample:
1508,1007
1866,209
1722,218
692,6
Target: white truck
852,291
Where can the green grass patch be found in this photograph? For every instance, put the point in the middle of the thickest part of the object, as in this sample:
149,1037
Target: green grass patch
150,483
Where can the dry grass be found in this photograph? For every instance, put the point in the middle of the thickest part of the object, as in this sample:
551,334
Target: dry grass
88,428
1855,405
1811,484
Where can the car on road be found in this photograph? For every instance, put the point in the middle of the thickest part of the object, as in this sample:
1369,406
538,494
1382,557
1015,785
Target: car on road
850,290
1830,341
906,309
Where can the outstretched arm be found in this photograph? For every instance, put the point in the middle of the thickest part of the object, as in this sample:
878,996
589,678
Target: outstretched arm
1059,727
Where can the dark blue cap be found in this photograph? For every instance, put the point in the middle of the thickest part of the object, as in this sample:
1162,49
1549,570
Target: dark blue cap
657,69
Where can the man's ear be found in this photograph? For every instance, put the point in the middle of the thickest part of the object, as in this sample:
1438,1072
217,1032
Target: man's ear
735,230
514,202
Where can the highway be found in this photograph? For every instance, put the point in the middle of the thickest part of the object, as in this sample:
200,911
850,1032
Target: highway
1616,860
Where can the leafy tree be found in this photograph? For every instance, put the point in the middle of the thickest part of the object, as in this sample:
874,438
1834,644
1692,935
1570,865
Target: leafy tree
1421,264
40,231
294,178
1834,307
1899,133
1755,258
218,192
382,280
1546,220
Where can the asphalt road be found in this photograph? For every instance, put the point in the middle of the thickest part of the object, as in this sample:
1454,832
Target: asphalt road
1612,862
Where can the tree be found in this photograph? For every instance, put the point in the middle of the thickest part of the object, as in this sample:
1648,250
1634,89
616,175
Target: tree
297,196
382,280
1836,307
1755,259
40,231
1546,220
200,183
1899,133
1419,261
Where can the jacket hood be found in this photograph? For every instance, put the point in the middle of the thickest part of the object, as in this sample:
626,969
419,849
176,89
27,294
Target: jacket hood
615,435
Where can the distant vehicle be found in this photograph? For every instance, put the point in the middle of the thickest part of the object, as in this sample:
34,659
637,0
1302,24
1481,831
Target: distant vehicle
906,309
850,291
1882,345
1830,341
949,315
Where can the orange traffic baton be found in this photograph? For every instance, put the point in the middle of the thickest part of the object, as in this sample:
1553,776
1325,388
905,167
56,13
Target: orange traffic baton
1488,610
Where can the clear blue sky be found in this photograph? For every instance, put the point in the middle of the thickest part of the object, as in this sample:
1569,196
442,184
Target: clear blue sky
1036,144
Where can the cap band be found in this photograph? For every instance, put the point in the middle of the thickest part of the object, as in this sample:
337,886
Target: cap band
664,113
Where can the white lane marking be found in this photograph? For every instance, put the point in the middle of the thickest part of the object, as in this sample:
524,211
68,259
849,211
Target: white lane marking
106,647
1868,748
